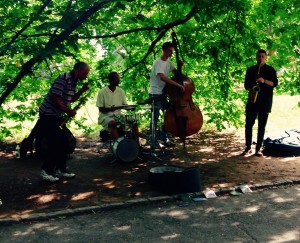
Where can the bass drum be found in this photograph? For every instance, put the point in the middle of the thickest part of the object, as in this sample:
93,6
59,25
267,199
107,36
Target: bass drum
125,149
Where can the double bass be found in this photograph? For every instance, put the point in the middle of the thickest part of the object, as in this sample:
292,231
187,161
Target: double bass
182,118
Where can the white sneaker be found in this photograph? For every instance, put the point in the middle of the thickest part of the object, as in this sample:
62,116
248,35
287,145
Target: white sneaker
48,177
60,174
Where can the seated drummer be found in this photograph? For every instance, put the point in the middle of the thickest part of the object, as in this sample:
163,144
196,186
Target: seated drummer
108,98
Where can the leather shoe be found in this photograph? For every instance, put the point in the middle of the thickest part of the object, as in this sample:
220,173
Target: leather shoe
247,151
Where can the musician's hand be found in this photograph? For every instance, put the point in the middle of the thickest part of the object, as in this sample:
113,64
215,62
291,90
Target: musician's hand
85,87
182,88
260,80
71,113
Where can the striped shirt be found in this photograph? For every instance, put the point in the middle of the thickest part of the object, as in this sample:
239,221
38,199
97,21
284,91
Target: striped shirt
64,87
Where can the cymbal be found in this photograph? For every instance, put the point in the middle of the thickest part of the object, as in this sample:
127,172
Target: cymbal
151,99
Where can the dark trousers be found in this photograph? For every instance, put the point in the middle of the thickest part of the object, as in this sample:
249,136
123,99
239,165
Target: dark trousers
57,144
252,113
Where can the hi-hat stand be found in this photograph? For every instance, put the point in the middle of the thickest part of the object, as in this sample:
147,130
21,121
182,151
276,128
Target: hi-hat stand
153,139
153,134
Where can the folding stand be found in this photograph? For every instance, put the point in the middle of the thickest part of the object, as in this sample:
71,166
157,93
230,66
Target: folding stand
153,134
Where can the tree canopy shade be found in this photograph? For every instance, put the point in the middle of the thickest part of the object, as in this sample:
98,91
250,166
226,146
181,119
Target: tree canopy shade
218,41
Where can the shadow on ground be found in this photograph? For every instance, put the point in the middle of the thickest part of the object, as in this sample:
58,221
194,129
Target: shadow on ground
98,182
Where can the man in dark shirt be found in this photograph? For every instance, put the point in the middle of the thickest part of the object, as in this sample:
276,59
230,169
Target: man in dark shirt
263,78
57,102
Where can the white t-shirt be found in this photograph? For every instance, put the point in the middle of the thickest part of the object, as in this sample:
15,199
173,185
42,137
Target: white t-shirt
106,98
159,66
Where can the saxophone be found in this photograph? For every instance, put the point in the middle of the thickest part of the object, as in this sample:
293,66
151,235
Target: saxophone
253,92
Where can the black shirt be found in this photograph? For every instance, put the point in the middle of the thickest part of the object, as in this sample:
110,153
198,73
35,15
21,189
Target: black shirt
265,95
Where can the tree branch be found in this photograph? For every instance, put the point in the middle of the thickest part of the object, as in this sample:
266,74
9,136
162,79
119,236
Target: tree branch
49,49
164,29
15,37
122,33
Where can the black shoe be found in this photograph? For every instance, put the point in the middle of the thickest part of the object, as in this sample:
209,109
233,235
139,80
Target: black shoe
247,151
26,145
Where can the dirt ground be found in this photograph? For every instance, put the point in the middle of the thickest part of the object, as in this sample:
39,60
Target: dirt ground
97,181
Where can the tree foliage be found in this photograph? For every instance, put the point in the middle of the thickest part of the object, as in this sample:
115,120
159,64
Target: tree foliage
218,40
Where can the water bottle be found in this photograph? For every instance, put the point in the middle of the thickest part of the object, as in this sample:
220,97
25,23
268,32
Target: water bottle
18,156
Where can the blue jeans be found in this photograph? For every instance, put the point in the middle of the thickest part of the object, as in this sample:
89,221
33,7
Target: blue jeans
158,105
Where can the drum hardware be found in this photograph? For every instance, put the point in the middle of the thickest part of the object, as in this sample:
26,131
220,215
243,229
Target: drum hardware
153,139
125,149
124,107
127,121
132,118
150,100
149,107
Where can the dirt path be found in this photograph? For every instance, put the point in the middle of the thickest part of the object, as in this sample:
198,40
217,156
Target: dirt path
97,181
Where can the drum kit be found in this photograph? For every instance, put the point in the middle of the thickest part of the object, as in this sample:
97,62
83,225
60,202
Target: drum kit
125,148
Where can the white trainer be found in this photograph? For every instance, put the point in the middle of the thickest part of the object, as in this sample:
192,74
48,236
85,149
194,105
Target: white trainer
60,174
48,177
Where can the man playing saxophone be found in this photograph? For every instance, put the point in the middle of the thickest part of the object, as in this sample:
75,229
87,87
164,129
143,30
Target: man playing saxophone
260,81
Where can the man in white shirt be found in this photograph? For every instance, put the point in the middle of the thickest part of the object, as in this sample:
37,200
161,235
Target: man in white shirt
108,99
161,68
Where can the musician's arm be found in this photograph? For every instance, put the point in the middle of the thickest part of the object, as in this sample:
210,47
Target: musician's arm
123,98
84,88
164,78
272,80
60,104
268,82
100,103
248,84
105,109
174,71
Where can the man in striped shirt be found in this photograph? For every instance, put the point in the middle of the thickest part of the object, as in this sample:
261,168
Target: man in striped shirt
57,103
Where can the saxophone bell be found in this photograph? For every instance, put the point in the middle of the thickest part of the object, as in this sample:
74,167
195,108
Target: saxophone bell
255,90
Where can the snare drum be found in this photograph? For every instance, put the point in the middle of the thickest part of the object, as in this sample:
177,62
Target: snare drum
125,149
